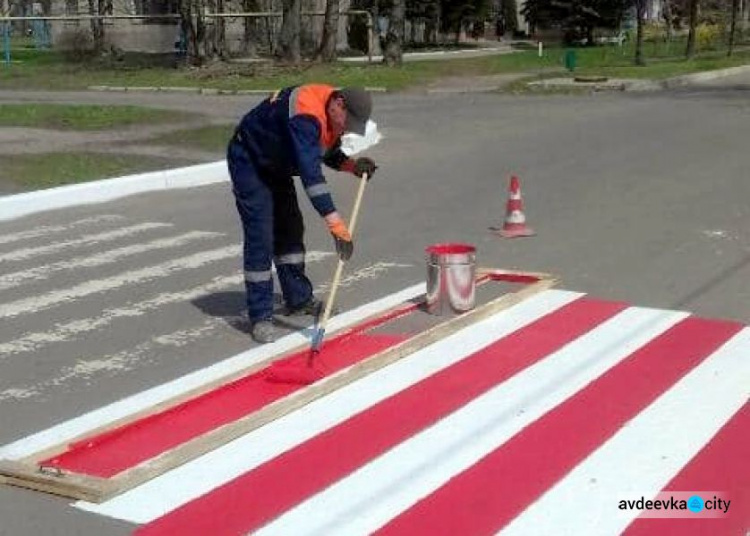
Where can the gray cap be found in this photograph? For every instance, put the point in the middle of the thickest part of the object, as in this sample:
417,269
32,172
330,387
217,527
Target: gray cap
358,108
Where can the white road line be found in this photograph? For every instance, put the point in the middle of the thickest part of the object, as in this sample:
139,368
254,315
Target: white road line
417,467
87,240
119,362
168,491
644,455
34,341
69,429
96,286
85,369
42,272
51,229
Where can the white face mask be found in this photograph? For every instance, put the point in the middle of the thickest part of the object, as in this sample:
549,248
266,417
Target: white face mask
354,143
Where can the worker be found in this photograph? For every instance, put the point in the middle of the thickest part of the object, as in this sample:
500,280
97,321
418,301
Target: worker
293,132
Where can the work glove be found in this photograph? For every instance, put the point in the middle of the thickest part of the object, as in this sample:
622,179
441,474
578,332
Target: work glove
341,236
364,165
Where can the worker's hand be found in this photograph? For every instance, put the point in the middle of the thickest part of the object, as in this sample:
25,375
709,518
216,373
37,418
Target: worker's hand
341,236
364,165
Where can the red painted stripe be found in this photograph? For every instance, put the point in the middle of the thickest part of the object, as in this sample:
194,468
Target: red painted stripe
722,465
117,450
488,495
259,496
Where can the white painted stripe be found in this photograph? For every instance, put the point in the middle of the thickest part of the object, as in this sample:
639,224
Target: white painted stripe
68,430
378,491
87,369
31,342
34,341
88,261
123,361
15,206
87,240
48,230
170,490
643,456
97,286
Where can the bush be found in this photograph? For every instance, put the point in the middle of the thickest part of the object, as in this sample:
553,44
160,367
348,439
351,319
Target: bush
707,35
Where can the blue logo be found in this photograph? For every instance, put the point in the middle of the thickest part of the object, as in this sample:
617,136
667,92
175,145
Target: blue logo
695,503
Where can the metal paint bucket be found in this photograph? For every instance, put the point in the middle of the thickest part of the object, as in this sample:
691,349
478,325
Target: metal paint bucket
451,278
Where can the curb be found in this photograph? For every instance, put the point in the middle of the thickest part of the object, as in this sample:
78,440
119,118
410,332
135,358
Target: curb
678,81
201,90
18,205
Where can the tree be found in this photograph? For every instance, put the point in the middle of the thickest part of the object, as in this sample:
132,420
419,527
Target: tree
98,7
194,28
577,18
509,10
327,49
393,53
249,25
640,14
693,22
289,48
733,26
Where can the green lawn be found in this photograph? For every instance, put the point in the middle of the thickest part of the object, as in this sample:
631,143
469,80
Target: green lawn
39,69
82,117
38,171
210,138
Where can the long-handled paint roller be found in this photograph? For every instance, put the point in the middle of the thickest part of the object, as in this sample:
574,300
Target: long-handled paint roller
309,374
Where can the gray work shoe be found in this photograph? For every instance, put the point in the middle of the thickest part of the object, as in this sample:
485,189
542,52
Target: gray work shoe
312,307
263,332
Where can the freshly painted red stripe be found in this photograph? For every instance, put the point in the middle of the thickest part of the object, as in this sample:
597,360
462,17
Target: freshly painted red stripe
722,465
488,495
115,451
262,494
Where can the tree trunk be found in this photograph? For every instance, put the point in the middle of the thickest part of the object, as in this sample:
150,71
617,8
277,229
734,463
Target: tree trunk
97,26
327,49
393,54
289,39
249,27
667,14
220,33
693,22
640,12
733,26
194,30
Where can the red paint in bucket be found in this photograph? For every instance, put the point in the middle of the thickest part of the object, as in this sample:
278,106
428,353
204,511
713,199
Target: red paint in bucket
450,249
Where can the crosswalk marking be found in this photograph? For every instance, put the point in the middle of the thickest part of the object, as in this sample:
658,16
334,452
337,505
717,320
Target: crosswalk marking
47,230
87,240
39,273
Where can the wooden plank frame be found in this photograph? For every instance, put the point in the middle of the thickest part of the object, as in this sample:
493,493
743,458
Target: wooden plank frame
28,472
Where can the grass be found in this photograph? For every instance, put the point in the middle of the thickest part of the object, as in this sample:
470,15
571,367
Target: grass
44,69
210,138
82,117
38,171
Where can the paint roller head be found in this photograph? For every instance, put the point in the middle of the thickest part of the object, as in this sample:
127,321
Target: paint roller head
296,375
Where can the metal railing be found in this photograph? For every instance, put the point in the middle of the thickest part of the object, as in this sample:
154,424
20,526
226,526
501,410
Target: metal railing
5,21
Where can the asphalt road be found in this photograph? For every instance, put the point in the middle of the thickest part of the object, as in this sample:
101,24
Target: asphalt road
640,198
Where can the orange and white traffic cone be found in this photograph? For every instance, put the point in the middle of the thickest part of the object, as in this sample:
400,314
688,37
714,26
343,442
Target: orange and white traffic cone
515,221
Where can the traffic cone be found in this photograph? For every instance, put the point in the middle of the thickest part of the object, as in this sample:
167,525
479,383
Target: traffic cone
515,220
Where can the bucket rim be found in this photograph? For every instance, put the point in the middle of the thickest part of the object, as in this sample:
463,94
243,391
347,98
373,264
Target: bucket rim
450,248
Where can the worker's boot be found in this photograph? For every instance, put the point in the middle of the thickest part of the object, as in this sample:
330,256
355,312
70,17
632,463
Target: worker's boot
263,332
311,307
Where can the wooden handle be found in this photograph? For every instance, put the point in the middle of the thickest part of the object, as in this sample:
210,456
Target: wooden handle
340,265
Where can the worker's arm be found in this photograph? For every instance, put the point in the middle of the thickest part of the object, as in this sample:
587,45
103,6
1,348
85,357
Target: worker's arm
306,138
305,132
338,160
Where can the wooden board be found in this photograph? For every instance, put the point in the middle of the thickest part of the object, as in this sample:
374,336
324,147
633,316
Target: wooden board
27,472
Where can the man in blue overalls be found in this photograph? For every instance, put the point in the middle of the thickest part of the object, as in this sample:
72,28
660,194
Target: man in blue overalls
291,133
